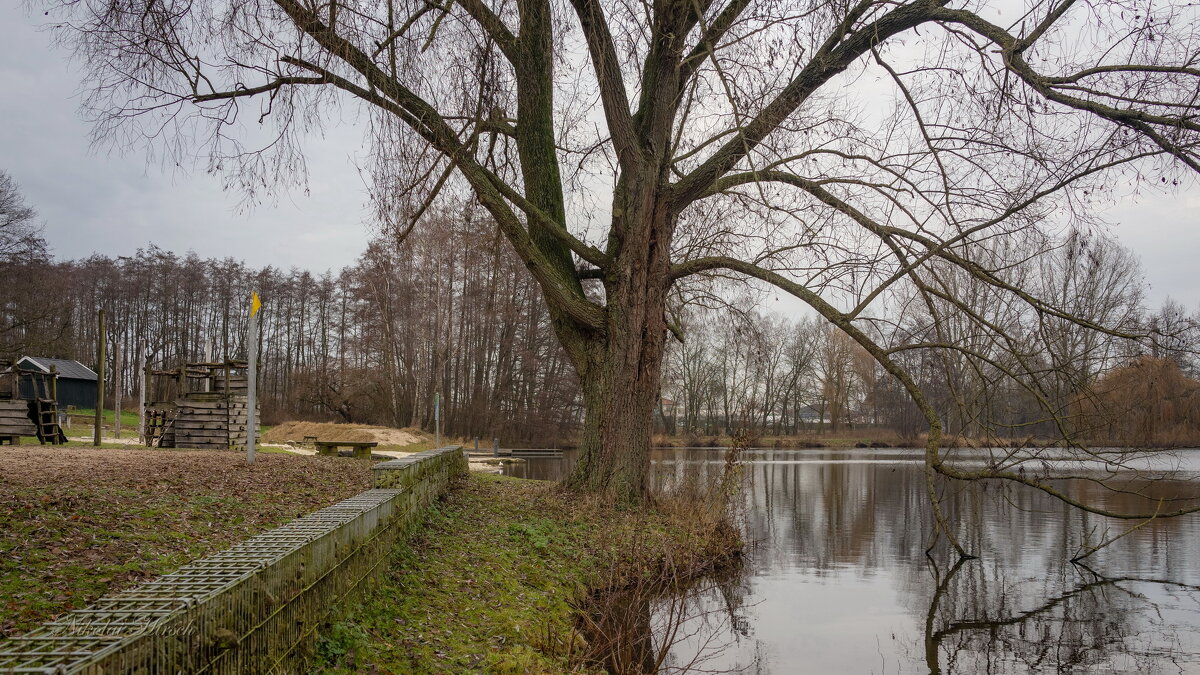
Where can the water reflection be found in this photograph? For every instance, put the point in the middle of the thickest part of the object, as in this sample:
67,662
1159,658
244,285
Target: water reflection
640,628
837,579
1091,627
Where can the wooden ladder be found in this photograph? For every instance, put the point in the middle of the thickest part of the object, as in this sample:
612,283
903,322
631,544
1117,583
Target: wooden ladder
45,419
158,423
156,420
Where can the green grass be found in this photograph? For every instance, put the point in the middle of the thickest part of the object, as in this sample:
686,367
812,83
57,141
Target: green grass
82,423
491,581
128,418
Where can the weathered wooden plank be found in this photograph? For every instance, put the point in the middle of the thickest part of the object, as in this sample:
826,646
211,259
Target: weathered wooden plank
196,403
207,415
191,435
220,417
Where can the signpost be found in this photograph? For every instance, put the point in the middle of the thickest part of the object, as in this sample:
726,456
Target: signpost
437,420
252,377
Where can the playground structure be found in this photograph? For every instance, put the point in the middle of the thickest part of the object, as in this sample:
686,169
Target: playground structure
197,405
29,405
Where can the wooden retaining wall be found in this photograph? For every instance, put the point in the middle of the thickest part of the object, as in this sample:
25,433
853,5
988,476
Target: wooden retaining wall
252,608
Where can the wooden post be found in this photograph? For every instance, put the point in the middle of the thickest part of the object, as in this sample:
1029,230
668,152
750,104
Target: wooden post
117,389
437,420
252,378
100,356
208,359
142,379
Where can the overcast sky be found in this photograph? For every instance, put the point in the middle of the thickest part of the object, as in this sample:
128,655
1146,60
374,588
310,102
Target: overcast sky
112,203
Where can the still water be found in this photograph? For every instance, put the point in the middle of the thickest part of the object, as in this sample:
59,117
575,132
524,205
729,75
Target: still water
836,578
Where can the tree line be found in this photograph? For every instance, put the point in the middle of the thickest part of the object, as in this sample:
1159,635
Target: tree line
447,310
1034,374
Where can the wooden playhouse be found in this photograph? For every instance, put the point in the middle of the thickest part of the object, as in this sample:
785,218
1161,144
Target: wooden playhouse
29,405
197,405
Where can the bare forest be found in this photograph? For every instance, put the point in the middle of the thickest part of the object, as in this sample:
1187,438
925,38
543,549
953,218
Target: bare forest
449,309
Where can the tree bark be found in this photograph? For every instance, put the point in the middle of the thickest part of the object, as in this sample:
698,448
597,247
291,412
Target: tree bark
620,366
620,393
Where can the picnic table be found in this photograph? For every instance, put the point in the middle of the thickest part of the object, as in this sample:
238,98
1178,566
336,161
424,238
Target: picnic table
362,449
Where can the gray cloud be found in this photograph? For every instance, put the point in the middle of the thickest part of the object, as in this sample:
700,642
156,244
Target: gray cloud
112,203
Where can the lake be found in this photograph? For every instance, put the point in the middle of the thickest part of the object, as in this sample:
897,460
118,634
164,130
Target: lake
836,579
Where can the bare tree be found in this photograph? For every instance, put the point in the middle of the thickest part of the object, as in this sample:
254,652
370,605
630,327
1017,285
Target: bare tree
28,321
20,235
833,150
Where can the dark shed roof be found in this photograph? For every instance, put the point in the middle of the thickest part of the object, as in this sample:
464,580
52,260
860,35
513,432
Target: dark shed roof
72,370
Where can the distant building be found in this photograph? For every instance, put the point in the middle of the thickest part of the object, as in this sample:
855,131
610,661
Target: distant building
76,382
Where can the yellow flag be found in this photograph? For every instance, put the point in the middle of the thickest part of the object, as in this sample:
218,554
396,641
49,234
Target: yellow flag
255,303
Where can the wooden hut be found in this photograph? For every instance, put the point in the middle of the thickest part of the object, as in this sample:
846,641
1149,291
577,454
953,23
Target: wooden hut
198,405
76,383
29,405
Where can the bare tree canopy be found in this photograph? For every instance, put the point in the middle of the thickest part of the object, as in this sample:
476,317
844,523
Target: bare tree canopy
20,236
850,154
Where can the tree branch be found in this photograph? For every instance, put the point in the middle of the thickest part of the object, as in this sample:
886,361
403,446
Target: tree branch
834,57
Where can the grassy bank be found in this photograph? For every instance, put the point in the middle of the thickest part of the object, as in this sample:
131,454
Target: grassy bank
492,581
76,523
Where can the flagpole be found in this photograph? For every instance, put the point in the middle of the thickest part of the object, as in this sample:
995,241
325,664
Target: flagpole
252,377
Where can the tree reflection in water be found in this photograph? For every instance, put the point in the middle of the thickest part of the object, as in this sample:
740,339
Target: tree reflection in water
1085,628
838,581
638,628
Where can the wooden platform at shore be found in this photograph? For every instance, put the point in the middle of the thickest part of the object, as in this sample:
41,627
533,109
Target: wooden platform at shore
517,452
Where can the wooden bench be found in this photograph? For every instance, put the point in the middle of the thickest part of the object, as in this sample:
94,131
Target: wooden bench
362,449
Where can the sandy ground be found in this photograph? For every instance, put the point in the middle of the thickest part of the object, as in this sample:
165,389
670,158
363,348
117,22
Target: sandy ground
289,436
478,467
298,431
105,439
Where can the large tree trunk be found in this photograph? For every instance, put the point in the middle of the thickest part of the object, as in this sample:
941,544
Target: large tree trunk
620,366
620,394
